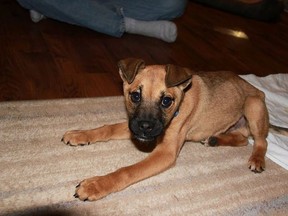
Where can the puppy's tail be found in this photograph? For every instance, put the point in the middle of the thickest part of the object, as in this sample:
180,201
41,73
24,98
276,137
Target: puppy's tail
278,130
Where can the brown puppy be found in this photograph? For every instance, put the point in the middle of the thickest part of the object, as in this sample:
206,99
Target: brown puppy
169,105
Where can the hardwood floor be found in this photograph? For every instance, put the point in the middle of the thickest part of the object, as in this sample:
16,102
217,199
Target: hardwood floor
51,59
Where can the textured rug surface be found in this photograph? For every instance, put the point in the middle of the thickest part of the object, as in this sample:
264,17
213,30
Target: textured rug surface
39,173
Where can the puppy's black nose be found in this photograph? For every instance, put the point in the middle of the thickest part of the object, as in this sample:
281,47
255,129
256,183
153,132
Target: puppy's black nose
146,126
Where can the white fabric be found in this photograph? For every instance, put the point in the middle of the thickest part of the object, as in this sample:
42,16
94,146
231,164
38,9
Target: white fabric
275,87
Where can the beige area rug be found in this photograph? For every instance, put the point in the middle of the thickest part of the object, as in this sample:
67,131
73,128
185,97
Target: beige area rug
39,173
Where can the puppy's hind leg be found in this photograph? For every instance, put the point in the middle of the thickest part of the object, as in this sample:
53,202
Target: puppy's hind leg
256,114
236,136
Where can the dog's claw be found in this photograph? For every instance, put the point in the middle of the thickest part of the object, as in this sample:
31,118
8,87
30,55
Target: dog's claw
85,200
256,165
77,185
76,138
76,195
256,170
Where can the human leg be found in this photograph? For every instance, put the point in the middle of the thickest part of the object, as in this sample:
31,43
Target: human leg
150,10
90,14
150,17
108,16
161,29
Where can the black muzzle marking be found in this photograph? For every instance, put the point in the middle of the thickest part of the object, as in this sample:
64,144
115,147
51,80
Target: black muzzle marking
146,129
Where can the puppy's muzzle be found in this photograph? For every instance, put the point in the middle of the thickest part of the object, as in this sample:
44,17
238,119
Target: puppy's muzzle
146,130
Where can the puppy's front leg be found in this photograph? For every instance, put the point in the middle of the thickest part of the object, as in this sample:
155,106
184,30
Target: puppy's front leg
163,157
104,133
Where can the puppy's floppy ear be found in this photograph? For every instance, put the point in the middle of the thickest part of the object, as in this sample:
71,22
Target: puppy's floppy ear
177,76
128,68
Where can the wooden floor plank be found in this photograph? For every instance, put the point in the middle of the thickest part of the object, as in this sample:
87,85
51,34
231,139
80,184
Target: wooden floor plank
51,59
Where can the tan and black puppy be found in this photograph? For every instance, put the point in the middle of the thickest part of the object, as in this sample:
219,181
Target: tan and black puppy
169,105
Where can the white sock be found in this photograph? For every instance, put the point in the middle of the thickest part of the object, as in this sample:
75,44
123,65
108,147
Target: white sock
164,30
35,16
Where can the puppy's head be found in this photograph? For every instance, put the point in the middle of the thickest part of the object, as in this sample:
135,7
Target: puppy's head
153,95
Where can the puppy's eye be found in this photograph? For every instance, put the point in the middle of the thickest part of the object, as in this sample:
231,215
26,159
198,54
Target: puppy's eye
166,102
135,97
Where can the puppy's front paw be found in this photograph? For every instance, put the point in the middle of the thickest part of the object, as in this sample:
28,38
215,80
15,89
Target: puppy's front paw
256,164
76,137
94,188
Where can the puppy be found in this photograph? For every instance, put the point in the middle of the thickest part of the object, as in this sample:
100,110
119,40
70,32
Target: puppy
168,105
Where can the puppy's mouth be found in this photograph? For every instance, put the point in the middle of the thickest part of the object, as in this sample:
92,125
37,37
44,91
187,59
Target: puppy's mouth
144,139
145,144
145,130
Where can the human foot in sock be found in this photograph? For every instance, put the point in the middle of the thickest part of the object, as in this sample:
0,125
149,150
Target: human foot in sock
35,16
164,30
